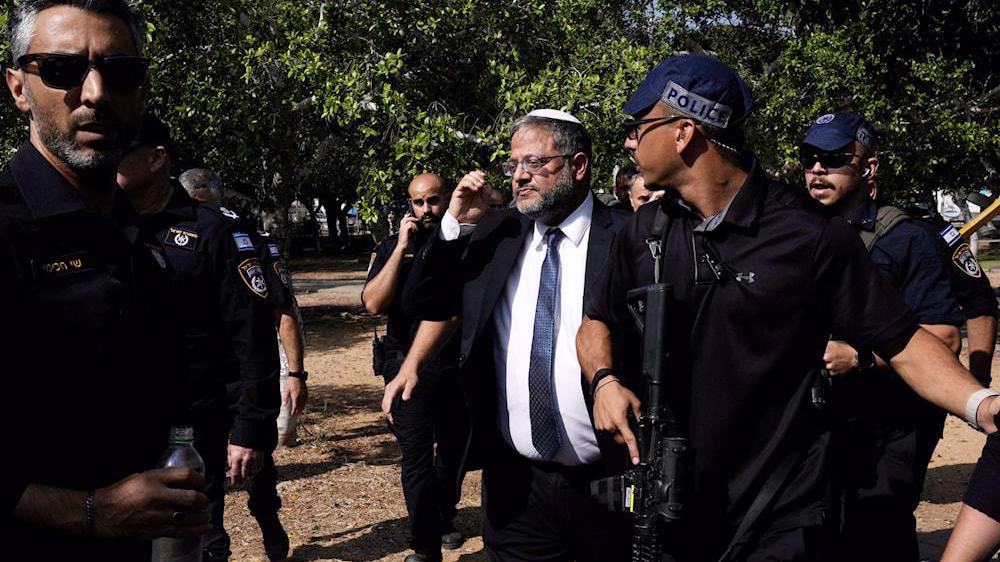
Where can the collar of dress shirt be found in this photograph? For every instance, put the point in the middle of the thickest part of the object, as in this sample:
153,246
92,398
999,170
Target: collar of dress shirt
574,227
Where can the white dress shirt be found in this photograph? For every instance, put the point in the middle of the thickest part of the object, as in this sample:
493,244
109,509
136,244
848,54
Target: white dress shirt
514,322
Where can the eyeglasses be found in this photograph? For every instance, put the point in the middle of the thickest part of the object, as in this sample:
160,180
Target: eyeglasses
122,73
827,160
632,127
531,164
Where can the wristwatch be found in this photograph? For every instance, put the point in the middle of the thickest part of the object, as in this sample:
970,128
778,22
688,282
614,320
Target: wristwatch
304,375
865,359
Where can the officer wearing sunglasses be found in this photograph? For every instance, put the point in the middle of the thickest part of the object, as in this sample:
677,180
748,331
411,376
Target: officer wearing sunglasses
882,419
86,345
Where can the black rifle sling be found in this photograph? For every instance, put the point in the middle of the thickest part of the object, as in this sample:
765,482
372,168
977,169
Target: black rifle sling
655,242
759,505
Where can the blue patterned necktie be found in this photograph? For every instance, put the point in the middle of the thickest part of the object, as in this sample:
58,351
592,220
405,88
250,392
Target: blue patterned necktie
541,397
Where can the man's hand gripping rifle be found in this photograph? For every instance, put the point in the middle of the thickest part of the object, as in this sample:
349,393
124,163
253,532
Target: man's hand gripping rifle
653,491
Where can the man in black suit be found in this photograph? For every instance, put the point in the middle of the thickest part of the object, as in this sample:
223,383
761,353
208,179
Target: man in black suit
523,274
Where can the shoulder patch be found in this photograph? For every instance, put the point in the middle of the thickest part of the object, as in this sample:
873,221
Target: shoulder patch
274,250
253,276
950,235
61,266
281,272
964,260
228,213
243,241
181,238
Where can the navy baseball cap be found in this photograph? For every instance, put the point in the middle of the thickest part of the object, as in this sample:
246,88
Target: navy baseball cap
699,86
834,131
152,132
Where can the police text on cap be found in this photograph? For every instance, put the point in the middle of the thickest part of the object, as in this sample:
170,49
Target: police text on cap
697,107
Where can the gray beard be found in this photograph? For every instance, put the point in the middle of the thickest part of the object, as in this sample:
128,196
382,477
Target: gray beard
64,148
559,201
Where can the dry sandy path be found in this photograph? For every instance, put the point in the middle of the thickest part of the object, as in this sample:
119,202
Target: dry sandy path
340,487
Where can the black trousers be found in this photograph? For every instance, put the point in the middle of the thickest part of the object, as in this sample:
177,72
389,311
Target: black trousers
884,486
211,439
435,413
537,512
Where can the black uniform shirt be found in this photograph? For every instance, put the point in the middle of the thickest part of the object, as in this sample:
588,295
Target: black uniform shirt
279,282
401,327
910,260
220,298
756,295
87,354
969,282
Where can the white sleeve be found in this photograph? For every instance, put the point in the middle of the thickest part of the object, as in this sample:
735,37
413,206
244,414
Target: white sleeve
450,228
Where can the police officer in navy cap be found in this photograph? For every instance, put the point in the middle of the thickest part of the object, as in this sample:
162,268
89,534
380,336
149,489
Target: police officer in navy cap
220,298
882,420
760,276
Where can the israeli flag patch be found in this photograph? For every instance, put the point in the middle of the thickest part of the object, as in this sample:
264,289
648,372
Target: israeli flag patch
695,106
274,250
243,241
950,235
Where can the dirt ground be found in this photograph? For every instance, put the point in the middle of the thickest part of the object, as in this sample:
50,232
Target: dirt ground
341,485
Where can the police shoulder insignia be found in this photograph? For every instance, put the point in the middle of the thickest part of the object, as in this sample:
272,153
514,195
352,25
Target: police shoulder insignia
950,235
279,269
181,238
228,213
966,261
252,274
243,241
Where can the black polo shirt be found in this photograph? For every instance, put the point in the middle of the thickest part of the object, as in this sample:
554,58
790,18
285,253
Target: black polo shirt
969,282
757,293
401,327
220,298
86,345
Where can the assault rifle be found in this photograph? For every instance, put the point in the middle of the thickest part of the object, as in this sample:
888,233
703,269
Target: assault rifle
653,491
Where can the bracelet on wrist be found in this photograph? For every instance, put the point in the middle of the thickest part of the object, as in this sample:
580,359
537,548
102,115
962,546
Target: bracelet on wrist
303,375
605,383
598,376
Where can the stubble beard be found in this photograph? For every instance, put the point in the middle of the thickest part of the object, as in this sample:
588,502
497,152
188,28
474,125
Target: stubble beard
64,147
557,202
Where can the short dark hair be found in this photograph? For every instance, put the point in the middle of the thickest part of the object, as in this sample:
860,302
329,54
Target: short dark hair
22,21
569,138
623,182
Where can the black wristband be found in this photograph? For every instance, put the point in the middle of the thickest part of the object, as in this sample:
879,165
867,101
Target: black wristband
91,512
304,375
866,359
598,376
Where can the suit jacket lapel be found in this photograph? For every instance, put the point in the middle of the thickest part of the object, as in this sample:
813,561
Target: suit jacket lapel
599,247
487,288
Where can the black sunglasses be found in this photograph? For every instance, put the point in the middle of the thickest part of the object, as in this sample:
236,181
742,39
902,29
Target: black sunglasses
826,159
632,127
122,73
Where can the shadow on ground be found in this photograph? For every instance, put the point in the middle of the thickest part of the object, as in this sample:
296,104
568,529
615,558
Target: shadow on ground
945,484
379,540
331,328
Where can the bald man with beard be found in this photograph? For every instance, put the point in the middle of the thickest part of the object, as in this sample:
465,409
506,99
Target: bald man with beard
435,412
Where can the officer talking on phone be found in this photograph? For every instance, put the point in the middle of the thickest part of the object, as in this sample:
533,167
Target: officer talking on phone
435,412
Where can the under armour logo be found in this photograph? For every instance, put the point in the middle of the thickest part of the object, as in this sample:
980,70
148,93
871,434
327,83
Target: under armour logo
746,278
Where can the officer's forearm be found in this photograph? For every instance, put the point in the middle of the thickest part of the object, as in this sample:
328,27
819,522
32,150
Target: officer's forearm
53,508
380,291
593,347
290,333
431,337
975,537
933,372
982,340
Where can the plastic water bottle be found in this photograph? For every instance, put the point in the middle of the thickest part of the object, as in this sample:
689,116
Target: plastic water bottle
180,453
